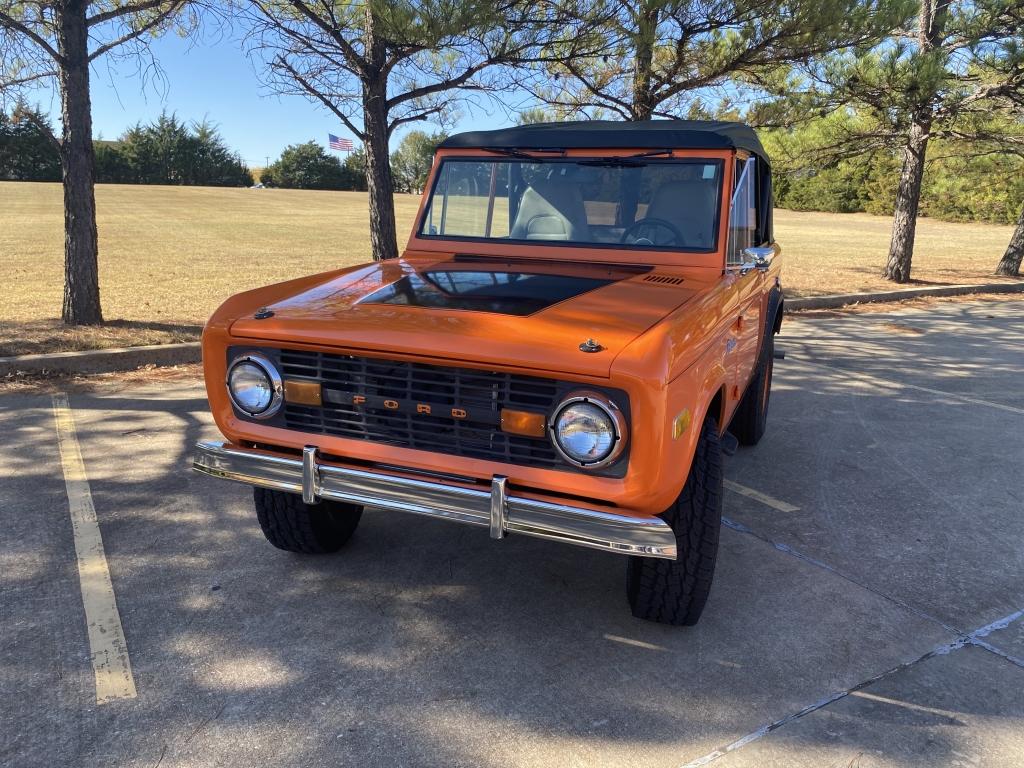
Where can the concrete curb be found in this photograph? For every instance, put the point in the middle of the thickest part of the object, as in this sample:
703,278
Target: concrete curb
130,358
102,360
845,299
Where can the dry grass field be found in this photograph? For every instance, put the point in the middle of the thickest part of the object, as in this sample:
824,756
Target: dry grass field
170,255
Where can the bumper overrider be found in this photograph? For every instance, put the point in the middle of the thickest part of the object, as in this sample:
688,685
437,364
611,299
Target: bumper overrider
497,509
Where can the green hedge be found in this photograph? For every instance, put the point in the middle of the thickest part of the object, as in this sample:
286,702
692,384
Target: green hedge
166,151
961,183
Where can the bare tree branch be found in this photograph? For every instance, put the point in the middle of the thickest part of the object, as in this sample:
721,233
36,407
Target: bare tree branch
120,11
15,25
315,93
355,61
418,117
150,25
25,80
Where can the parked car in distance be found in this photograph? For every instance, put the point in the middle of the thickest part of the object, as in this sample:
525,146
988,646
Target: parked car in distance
581,312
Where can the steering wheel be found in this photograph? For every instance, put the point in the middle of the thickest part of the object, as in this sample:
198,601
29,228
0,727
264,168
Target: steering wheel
651,225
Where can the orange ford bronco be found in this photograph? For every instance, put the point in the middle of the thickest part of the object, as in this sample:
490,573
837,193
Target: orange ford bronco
580,312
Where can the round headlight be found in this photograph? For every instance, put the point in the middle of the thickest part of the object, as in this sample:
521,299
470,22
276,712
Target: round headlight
254,386
587,431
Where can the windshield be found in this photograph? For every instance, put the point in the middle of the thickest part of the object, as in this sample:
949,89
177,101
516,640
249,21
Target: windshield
622,202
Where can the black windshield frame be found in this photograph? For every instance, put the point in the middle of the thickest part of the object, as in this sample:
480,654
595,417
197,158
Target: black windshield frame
626,160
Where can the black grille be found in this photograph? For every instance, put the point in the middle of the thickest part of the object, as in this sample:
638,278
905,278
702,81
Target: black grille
481,394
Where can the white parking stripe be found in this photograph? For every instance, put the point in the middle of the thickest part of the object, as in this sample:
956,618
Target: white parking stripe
764,498
107,645
973,400
635,643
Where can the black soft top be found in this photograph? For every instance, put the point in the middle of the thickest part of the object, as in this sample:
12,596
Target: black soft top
615,134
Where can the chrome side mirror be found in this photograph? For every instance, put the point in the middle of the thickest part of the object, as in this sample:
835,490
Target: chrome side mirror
758,257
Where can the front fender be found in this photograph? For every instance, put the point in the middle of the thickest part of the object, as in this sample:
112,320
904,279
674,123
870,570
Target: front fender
668,415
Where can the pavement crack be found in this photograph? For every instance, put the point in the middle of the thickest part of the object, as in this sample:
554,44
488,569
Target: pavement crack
206,722
941,650
785,548
974,638
764,730
963,640
1016,661
996,625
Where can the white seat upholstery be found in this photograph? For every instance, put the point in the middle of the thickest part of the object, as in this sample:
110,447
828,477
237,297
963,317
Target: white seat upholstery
689,206
551,209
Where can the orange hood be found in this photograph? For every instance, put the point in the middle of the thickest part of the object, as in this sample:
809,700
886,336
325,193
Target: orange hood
526,315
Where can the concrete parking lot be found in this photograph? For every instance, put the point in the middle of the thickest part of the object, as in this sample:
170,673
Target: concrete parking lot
867,609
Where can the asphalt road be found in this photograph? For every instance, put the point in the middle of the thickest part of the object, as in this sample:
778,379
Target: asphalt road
866,609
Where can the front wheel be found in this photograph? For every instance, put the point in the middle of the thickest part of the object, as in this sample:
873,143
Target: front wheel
311,529
675,591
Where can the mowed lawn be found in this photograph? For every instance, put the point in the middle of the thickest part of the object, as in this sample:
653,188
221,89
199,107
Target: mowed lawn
170,255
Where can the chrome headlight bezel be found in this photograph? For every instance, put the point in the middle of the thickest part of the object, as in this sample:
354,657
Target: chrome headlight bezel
276,385
610,409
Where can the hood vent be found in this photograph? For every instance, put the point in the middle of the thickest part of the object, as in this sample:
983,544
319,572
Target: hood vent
664,279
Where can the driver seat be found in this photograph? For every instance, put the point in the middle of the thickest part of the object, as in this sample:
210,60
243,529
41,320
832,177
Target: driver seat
689,206
551,209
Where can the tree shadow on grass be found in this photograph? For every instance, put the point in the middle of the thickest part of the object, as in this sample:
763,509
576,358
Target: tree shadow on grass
876,271
51,335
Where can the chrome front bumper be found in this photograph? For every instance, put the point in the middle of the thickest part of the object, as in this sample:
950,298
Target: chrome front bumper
497,510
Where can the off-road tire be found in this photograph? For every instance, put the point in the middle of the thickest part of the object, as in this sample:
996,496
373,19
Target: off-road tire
311,529
751,417
675,591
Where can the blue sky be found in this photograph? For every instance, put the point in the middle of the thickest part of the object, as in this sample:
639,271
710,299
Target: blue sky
214,78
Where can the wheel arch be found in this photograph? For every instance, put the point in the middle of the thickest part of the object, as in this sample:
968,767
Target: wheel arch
716,407
776,307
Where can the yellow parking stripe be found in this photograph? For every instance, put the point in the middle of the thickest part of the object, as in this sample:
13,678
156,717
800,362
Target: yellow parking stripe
107,645
764,498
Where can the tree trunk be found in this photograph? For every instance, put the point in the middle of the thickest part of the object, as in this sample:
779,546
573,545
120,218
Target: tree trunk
908,200
1009,265
379,182
81,275
932,17
642,104
643,59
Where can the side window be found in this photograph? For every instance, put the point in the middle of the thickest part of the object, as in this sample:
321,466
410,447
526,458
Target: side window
742,213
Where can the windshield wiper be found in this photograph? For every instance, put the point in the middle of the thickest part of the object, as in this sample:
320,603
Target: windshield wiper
613,162
654,153
608,162
511,152
626,161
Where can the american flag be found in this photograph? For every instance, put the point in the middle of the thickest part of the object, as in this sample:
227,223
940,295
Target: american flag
344,145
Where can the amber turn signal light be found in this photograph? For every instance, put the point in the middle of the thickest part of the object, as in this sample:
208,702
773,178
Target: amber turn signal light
302,392
523,423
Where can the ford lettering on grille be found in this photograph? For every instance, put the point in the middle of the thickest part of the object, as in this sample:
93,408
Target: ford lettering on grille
427,407
415,407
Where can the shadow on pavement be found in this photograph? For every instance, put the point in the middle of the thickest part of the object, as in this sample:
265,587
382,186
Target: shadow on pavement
425,643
